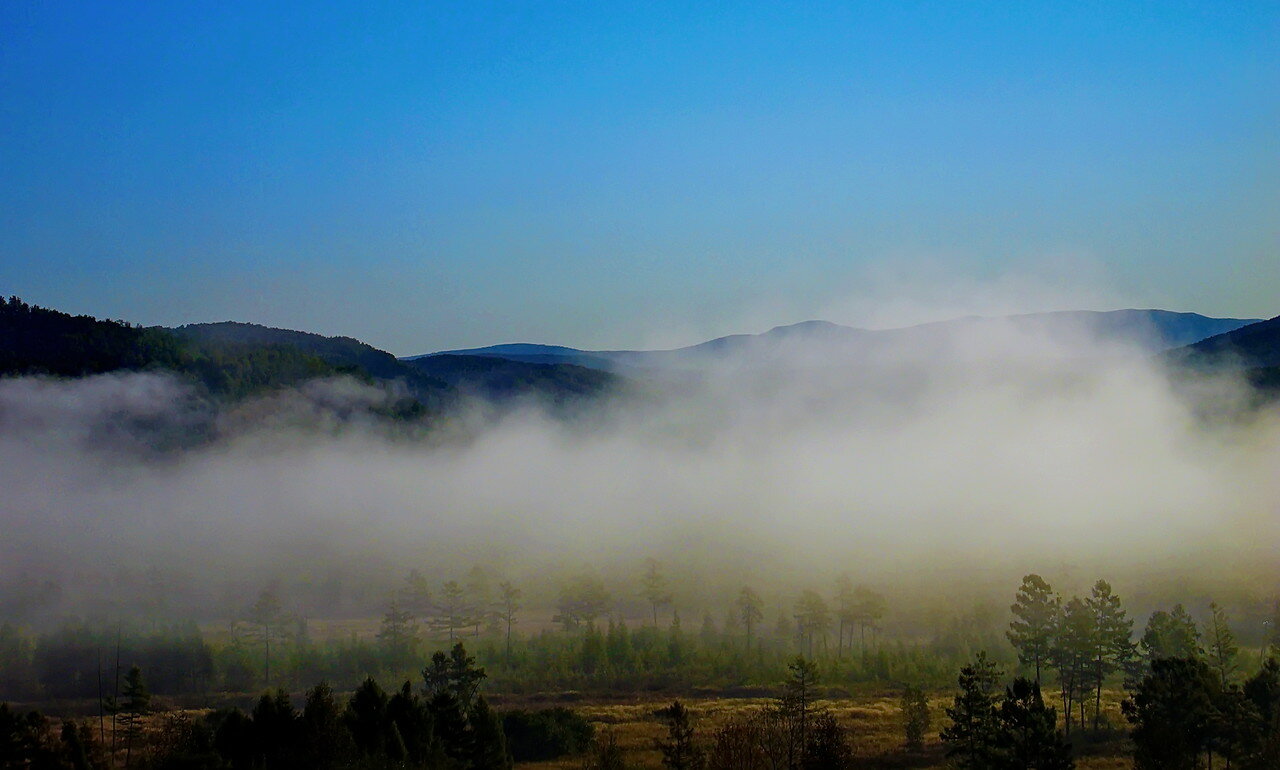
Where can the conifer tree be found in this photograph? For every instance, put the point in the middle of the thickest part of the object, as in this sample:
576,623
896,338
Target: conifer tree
133,709
915,716
1170,635
1035,615
398,633
845,614
971,737
812,618
751,610
679,750
1111,640
453,612
267,619
1222,651
1028,734
508,605
868,608
654,588
1071,654
802,677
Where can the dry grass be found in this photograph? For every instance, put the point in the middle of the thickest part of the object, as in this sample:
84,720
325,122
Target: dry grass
874,723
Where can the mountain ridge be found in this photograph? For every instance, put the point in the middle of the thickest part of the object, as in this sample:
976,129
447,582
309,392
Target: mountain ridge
1152,330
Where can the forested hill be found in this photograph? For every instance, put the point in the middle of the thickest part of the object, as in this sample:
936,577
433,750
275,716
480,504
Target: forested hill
494,380
37,340
1253,351
341,352
234,360
1250,347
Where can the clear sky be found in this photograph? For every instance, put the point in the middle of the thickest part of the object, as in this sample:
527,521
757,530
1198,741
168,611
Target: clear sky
426,175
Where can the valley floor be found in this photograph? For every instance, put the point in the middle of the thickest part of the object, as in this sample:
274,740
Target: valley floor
874,724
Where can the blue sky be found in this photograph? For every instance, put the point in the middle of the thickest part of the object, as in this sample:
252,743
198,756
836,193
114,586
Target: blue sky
433,175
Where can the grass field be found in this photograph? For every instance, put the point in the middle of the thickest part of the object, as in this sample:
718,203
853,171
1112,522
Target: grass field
874,724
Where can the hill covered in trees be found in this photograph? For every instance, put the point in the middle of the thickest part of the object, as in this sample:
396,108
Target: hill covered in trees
234,360
40,341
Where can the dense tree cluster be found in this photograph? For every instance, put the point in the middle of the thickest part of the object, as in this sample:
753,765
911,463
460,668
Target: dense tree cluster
447,725
1018,732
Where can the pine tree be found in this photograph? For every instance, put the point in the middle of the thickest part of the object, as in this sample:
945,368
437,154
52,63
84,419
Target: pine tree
1028,734
133,709
915,716
844,610
1071,654
654,587
453,612
508,606
398,633
812,618
679,750
972,735
1170,635
751,610
797,702
268,620
868,608
1172,712
1035,616
480,596
1222,650
1112,645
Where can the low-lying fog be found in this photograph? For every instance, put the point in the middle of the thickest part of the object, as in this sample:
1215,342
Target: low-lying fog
896,471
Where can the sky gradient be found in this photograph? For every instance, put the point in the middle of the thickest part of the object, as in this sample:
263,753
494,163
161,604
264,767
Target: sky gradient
432,175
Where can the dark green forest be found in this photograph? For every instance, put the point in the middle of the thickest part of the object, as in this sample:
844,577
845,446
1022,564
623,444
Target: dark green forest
1036,684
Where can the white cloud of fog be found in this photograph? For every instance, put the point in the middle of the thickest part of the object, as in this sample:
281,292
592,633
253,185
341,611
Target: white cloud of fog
896,468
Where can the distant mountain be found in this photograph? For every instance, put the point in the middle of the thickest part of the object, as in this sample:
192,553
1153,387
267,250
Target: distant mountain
1254,346
491,378
499,379
1067,333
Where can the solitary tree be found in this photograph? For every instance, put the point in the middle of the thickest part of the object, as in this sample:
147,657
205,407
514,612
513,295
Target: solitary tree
133,709
582,600
1111,640
679,750
654,588
751,610
415,595
480,596
1035,614
1071,655
797,703
915,716
453,612
398,634
845,614
508,606
1222,645
971,736
267,620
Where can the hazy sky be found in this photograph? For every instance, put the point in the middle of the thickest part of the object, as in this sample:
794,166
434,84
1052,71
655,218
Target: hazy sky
432,175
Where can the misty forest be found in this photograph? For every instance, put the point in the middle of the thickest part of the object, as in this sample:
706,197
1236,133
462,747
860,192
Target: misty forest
1036,541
